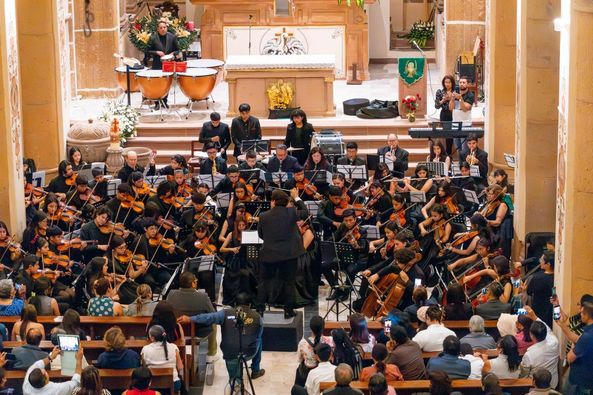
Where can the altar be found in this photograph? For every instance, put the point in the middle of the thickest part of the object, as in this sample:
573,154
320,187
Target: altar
310,78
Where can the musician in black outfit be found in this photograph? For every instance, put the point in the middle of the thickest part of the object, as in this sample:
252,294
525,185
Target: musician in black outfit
161,44
282,161
244,127
251,163
58,184
459,184
131,165
119,213
398,155
213,164
352,159
281,249
216,132
329,217
227,185
473,155
90,231
156,277
165,190
298,135
350,232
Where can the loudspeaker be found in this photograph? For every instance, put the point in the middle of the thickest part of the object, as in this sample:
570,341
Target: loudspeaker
282,334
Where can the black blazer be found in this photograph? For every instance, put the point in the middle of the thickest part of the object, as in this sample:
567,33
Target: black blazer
307,133
482,156
238,133
401,159
206,166
280,233
155,45
289,165
357,162
222,130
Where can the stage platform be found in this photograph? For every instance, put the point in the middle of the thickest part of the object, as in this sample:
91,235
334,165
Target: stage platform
175,133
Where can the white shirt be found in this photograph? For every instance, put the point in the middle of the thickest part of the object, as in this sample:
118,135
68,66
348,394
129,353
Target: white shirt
153,355
544,354
50,388
500,367
476,365
431,338
322,373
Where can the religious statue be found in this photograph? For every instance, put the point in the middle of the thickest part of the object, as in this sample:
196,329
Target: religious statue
280,95
114,133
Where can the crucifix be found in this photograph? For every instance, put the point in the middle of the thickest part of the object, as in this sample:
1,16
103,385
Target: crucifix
284,36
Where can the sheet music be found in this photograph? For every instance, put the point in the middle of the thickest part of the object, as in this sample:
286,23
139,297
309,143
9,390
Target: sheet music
250,237
474,171
471,196
211,180
223,199
38,179
417,197
353,172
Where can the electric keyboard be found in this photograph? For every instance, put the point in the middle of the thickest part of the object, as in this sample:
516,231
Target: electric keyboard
452,130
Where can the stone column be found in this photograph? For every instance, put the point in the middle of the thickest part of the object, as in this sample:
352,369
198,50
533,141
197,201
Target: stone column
95,62
574,214
45,75
500,83
464,21
12,204
536,117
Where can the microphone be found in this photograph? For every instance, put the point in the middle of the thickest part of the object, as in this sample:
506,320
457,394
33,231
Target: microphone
418,48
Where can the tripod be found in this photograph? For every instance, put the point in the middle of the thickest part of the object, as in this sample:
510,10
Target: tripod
240,325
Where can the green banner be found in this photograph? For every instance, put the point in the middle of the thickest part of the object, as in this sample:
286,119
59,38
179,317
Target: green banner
410,69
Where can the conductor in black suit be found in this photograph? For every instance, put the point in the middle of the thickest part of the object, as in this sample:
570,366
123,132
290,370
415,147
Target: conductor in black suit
161,44
283,162
397,154
282,247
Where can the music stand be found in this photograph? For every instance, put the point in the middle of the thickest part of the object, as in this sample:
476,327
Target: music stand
223,199
167,286
474,171
471,196
339,255
38,179
278,177
389,162
353,172
319,176
455,169
372,232
313,206
417,197
253,207
155,181
204,263
112,186
251,241
212,180
373,161
434,168
255,145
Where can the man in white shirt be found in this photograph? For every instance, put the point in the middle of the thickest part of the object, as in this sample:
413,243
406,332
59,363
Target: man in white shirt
431,338
324,371
545,353
37,379
476,363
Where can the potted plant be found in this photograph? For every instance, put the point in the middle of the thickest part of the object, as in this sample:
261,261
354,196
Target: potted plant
144,28
421,33
411,105
126,116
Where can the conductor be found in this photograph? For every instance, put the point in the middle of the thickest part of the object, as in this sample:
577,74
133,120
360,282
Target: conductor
281,248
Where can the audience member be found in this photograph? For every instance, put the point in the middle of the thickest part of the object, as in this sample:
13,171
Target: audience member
440,384
345,351
541,383
306,349
359,333
102,305
506,364
390,371
431,338
343,376
406,354
544,353
37,379
10,304
90,383
477,337
493,308
116,355
540,288
140,384
28,321
143,305
580,357
522,336
378,385
475,362
323,372
162,354
27,354
457,308
449,362
491,385
44,304
164,316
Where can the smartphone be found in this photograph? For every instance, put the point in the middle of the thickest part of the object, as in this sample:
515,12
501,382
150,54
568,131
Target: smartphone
521,311
556,313
17,287
417,282
69,342
484,291
387,327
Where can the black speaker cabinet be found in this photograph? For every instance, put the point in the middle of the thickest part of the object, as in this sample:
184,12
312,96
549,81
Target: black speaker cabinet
282,334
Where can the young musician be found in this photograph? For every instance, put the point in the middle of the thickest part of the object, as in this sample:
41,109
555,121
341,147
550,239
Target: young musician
307,191
242,194
444,197
499,217
331,212
75,158
82,195
227,185
350,232
99,183
352,159
201,243
96,230
198,211
400,215
140,189
439,154
238,276
244,127
213,164
397,154
251,163
436,232
216,132
30,266
122,205
182,188
164,200
465,182
298,135
120,262
148,245
473,155
379,202
59,185
36,228
421,183
338,180
383,176
478,230
10,251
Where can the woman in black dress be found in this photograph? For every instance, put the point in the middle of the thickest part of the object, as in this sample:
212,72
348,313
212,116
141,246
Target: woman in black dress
298,135
441,102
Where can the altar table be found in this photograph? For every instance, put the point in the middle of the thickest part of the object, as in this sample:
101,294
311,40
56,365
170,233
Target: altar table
312,78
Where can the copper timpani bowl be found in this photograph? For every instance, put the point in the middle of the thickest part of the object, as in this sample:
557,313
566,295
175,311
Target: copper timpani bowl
197,84
122,79
215,64
154,84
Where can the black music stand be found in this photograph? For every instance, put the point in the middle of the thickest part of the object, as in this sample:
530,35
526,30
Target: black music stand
255,145
253,207
434,168
223,199
277,178
318,176
339,255
251,245
204,263
353,172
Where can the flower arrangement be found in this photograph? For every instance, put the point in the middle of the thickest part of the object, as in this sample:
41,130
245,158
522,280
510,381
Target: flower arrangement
411,105
421,32
127,119
144,28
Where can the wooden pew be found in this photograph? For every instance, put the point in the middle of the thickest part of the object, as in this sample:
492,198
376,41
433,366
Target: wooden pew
111,378
427,355
467,387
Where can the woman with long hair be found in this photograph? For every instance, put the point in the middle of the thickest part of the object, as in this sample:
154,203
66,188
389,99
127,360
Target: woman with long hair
422,182
345,351
441,102
457,307
390,371
34,231
479,226
306,349
164,315
28,321
506,365
44,304
445,197
317,160
75,158
160,353
523,337
143,306
70,325
298,135
499,215
103,305
359,332
90,383
439,154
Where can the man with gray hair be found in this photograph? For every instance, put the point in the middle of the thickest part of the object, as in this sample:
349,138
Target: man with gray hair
477,337
10,304
282,161
131,165
343,375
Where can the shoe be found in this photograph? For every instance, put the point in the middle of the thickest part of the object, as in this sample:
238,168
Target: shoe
333,294
157,106
343,294
258,374
166,104
289,314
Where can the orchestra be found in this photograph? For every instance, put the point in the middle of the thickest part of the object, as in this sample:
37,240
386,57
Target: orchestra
386,236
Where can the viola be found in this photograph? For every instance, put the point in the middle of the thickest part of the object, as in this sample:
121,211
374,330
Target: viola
452,207
184,190
160,240
116,228
51,258
205,246
248,186
132,203
66,214
70,181
169,224
205,215
75,244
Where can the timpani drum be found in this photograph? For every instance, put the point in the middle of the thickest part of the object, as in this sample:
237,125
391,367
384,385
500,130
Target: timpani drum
215,64
122,79
197,83
154,84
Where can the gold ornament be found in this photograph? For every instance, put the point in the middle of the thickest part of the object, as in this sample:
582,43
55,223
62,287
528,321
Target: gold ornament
280,95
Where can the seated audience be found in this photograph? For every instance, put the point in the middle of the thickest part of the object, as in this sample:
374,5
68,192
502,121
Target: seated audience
116,355
90,383
491,385
523,338
457,309
431,338
28,321
37,379
541,383
143,305
164,315
406,354
359,333
162,354
544,353
378,386
477,337
477,364
390,371
440,384
26,355
580,357
44,304
323,372
343,376
506,364
10,304
345,351
449,361
102,305
306,349
493,308
71,325
140,385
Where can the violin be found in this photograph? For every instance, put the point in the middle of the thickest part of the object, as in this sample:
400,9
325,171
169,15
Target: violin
205,215
144,190
169,224
71,181
452,207
66,214
248,186
52,275
343,205
490,208
75,244
160,240
184,190
308,189
35,191
136,259
205,246
131,203
175,201
116,228
51,258
87,196
466,237
399,217
13,247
